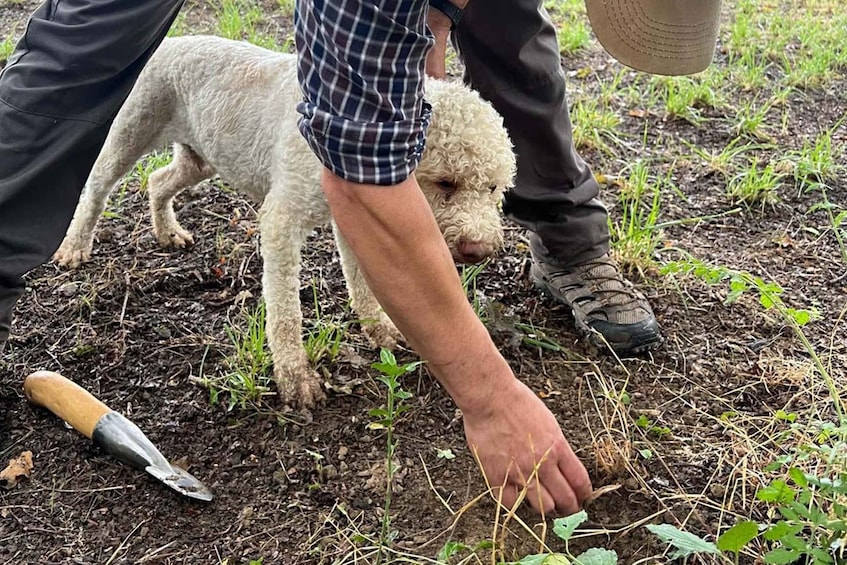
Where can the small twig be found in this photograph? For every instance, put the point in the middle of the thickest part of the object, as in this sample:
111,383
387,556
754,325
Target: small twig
127,284
123,543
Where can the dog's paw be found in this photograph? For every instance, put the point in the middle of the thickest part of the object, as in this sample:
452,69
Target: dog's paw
71,254
174,236
383,334
299,387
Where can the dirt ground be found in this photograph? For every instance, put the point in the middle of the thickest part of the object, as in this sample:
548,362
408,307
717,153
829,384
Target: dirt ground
138,326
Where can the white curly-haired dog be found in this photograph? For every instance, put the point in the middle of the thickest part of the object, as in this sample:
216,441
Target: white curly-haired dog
230,108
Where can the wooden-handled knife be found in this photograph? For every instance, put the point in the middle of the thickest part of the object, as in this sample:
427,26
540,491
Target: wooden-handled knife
108,429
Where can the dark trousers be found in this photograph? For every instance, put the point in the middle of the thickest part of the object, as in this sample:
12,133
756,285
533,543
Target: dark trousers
512,58
59,93
78,60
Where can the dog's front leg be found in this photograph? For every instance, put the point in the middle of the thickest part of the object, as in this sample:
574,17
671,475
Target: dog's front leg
378,327
282,236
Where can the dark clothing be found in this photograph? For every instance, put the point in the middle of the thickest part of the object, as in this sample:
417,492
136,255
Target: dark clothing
511,57
59,92
78,60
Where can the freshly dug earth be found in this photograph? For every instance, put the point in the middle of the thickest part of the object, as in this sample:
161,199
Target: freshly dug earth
140,327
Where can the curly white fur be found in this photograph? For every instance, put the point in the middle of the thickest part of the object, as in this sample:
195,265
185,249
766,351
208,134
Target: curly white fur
229,108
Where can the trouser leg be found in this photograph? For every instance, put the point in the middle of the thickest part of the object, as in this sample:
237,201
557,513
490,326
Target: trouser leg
511,57
63,86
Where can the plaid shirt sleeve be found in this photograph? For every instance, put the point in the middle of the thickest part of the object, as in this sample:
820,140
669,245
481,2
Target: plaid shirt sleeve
361,69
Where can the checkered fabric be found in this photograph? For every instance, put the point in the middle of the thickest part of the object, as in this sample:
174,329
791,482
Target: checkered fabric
361,68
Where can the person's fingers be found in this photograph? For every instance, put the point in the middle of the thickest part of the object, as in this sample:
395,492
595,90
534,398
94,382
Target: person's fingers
509,496
563,498
539,497
575,474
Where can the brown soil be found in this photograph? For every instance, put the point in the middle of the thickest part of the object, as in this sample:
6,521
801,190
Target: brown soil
137,325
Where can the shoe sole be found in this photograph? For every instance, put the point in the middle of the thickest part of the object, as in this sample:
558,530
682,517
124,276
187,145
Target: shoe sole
644,339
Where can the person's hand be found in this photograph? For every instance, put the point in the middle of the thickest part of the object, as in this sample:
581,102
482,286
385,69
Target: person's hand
511,436
439,25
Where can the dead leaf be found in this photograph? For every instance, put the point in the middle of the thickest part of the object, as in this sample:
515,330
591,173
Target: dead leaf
638,113
600,492
18,469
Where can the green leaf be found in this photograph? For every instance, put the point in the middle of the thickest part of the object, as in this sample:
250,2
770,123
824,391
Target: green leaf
780,462
645,453
564,527
387,357
781,556
788,513
597,556
735,538
781,530
798,476
450,549
820,556
783,415
765,301
794,543
685,543
776,493
445,454
802,317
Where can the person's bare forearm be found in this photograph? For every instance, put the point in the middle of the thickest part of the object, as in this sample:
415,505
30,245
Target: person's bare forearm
396,240
408,267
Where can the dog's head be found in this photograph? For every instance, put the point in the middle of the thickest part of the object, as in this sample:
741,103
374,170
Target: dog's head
466,167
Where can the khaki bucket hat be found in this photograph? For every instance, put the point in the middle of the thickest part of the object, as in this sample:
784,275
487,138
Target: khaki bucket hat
665,37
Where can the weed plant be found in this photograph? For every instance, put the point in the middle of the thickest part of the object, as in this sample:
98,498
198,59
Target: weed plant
756,185
146,167
324,339
7,46
572,27
247,369
240,20
595,126
385,418
469,276
635,237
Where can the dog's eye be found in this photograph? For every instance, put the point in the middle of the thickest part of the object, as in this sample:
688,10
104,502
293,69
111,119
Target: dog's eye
447,186
492,188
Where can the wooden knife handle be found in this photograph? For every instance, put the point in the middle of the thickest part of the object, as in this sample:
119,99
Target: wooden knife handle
65,399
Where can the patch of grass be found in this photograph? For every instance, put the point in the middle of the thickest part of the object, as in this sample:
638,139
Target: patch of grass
178,28
726,160
751,117
247,369
804,43
595,126
635,237
685,97
7,47
817,161
324,339
240,20
286,7
749,71
755,185
469,276
572,29
146,167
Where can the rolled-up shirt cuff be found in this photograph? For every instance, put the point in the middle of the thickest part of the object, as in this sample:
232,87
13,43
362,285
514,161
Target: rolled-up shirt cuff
380,153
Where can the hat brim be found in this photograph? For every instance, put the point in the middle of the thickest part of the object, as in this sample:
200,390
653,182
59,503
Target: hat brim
666,37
